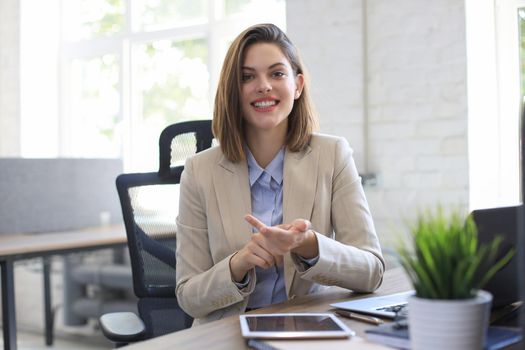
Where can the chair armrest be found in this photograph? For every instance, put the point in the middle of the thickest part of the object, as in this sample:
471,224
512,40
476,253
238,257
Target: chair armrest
122,327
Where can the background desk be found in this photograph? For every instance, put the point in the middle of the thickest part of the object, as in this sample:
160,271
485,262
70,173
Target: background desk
25,246
226,333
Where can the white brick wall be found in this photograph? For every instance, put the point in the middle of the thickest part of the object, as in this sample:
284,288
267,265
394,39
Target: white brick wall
416,118
9,78
329,38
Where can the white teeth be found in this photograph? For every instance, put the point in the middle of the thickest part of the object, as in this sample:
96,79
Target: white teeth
264,104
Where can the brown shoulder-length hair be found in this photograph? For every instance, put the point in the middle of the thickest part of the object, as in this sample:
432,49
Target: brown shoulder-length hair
228,122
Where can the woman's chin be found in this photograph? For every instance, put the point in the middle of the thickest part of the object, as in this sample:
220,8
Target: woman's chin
267,125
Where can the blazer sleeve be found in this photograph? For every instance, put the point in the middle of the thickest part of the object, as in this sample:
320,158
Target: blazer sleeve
203,285
352,260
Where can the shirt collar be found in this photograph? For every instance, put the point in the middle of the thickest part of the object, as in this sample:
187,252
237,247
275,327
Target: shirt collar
274,169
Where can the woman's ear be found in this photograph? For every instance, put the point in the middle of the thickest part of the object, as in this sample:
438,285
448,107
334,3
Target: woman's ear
299,85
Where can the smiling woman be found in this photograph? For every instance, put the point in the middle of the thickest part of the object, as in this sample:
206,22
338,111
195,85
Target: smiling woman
276,210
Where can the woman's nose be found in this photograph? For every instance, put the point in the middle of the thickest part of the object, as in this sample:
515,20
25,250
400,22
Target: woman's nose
264,86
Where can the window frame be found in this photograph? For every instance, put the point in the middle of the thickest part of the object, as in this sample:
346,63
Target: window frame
215,30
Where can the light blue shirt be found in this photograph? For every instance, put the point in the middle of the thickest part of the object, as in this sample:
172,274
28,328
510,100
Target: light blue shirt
267,206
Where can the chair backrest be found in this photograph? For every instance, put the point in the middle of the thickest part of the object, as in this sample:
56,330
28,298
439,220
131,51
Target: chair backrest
149,204
178,141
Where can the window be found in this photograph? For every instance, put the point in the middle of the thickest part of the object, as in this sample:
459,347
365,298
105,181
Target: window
493,54
509,21
521,28
122,70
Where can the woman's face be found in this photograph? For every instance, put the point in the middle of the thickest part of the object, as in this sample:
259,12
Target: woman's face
269,87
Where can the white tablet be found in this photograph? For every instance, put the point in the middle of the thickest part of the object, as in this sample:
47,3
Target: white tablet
293,326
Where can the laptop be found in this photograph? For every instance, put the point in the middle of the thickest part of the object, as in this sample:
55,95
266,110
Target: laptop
503,286
386,306
503,221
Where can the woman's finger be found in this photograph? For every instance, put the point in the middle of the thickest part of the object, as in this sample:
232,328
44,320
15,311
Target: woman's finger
262,252
268,244
302,225
258,261
252,220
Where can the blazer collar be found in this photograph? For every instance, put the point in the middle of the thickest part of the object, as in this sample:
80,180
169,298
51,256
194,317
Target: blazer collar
300,186
232,189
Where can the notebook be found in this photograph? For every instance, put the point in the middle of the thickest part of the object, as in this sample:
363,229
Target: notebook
398,337
382,306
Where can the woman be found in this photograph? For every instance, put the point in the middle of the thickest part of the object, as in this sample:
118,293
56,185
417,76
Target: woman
276,211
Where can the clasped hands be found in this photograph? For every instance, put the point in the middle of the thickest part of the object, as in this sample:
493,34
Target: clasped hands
267,246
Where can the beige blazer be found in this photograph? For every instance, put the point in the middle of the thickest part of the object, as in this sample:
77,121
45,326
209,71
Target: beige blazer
321,184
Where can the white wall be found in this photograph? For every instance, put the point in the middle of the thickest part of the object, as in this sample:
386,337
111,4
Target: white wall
408,123
329,37
9,78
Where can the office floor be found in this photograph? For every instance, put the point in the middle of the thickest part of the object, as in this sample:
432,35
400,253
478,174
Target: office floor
34,341
66,338
27,341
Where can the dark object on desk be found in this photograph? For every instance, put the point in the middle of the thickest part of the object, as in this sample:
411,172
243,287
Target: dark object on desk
391,334
502,221
506,316
259,345
147,201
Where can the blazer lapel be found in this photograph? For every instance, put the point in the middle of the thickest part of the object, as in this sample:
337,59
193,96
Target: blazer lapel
300,185
232,189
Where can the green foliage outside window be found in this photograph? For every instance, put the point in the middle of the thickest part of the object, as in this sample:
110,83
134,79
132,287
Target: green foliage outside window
174,80
94,18
161,14
521,19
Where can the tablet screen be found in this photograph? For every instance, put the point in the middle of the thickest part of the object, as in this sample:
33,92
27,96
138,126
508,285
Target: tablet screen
294,323
293,326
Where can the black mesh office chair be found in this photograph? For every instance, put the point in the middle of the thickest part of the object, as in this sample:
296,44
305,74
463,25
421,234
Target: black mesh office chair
149,207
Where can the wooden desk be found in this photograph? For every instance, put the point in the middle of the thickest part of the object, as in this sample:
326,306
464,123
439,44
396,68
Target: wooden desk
25,246
226,333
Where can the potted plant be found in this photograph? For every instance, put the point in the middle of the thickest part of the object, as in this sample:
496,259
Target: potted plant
448,268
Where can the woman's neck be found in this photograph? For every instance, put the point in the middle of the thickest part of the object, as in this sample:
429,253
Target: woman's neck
265,145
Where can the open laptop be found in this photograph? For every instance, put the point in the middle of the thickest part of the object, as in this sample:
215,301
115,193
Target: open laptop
503,286
386,306
503,221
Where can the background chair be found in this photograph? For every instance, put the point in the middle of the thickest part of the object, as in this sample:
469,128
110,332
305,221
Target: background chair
149,207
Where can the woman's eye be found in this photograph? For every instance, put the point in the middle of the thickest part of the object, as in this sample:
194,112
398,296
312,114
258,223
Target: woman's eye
278,74
246,77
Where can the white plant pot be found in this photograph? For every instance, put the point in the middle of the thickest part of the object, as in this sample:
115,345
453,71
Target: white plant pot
449,324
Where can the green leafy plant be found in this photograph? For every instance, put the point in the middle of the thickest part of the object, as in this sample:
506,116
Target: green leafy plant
446,261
